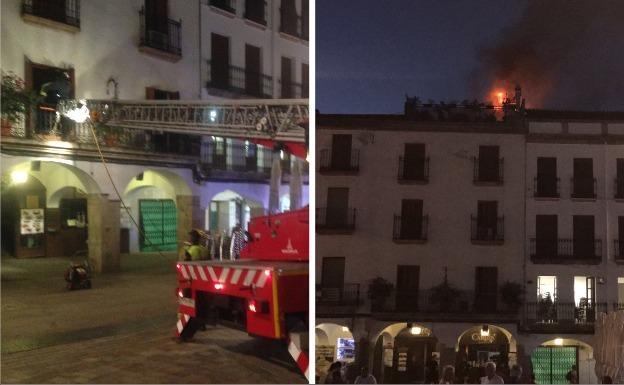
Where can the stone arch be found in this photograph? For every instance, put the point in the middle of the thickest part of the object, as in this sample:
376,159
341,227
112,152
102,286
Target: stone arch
337,334
228,207
320,336
584,358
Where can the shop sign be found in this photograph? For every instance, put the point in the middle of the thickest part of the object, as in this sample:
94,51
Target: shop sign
402,362
481,339
31,221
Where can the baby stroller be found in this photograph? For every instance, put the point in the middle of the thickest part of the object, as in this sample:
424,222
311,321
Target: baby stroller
78,275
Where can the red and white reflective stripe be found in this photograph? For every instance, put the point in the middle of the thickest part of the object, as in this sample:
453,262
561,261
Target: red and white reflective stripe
300,358
235,276
182,323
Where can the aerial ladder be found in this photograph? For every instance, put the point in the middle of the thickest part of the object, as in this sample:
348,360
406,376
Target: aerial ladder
266,290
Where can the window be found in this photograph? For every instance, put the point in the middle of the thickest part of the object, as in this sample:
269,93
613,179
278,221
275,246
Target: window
287,83
254,11
413,165
488,167
158,32
337,207
546,237
487,226
62,11
619,180
408,277
53,84
305,80
546,182
220,62
547,288
253,75
73,212
486,289
583,242
341,152
410,222
583,181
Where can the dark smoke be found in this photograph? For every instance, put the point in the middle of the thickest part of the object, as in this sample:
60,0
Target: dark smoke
566,54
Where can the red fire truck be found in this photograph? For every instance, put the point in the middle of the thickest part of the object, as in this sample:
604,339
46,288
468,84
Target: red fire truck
265,291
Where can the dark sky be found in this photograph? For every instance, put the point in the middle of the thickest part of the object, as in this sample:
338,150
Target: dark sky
565,53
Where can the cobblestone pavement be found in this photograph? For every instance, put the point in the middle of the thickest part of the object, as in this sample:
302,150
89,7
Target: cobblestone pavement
120,331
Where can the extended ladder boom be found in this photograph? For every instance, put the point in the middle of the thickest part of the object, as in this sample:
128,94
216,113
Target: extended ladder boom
269,119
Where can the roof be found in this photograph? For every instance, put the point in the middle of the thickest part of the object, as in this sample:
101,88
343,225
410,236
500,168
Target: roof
539,114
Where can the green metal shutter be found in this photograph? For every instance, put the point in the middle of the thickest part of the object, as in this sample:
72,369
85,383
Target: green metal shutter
159,223
552,363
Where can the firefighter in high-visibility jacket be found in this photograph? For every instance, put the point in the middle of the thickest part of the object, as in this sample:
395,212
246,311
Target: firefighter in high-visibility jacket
194,251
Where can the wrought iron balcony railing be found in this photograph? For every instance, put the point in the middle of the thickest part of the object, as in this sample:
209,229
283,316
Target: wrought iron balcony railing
347,295
618,252
68,13
488,173
290,90
619,188
483,232
414,170
167,39
330,163
226,5
547,316
565,251
546,186
239,80
336,220
583,188
408,229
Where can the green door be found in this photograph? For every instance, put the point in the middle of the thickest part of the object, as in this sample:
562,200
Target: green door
552,363
159,224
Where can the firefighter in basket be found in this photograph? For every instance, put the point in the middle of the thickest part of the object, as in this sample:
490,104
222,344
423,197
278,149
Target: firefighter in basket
196,248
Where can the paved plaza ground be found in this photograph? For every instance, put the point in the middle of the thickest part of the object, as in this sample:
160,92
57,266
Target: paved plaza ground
120,331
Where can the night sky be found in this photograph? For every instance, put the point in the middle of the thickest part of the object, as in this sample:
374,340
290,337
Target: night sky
370,53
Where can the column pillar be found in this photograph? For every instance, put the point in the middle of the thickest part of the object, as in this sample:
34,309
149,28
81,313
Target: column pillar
295,185
103,238
276,181
189,216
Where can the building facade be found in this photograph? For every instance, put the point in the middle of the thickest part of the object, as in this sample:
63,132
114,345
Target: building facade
426,242
138,50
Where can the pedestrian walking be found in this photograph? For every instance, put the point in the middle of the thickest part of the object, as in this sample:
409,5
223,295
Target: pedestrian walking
448,375
433,372
237,242
515,375
365,377
572,375
334,374
490,374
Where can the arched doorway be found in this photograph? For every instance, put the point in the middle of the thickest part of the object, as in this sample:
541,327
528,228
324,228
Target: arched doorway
404,354
152,197
480,344
44,209
333,343
553,360
229,208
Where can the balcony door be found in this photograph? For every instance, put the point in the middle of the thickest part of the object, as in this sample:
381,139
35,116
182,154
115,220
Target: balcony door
619,186
156,17
408,277
620,237
305,80
332,278
583,236
253,85
220,61
287,69
51,9
251,156
546,177
337,207
341,152
411,218
546,236
488,163
487,216
583,182
486,289
414,161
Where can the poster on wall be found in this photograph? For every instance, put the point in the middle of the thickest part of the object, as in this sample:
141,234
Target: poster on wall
31,221
388,356
402,362
346,349
324,357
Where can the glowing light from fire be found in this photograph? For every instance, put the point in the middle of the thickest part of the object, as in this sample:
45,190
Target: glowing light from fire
500,97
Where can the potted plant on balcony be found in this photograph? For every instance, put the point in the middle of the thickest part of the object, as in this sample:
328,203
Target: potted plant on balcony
444,296
378,291
15,100
546,309
109,134
511,295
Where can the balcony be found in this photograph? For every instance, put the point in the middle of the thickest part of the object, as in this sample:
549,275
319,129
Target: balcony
565,251
336,221
290,90
618,252
241,163
256,13
347,295
238,80
42,135
546,187
225,5
618,185
462,305
560,317
342,164
583,188
63,15
163,43
486,175
482,233
294,25
410,230
413,172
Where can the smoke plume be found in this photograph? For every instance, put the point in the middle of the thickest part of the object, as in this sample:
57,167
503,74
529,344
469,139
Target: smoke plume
566,54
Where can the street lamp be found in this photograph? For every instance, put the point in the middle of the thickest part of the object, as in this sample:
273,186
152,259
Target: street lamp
19,177
485,331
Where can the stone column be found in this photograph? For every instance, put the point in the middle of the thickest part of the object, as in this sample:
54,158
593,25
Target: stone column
276,181
103,239
190,216
295,185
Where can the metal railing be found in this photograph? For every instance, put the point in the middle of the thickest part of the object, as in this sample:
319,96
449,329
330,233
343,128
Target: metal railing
496,176
417,170
226,5
347,295
487,232
68,14
164,41
562,250
546,186
618,185
290,89
258,15
240,80
618,250
329,163
410,229
343,220
583,188
554,316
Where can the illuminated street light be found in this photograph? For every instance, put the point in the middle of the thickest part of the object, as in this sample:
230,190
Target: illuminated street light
345,329
19,177
485,331
415,330
213,115
558,341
